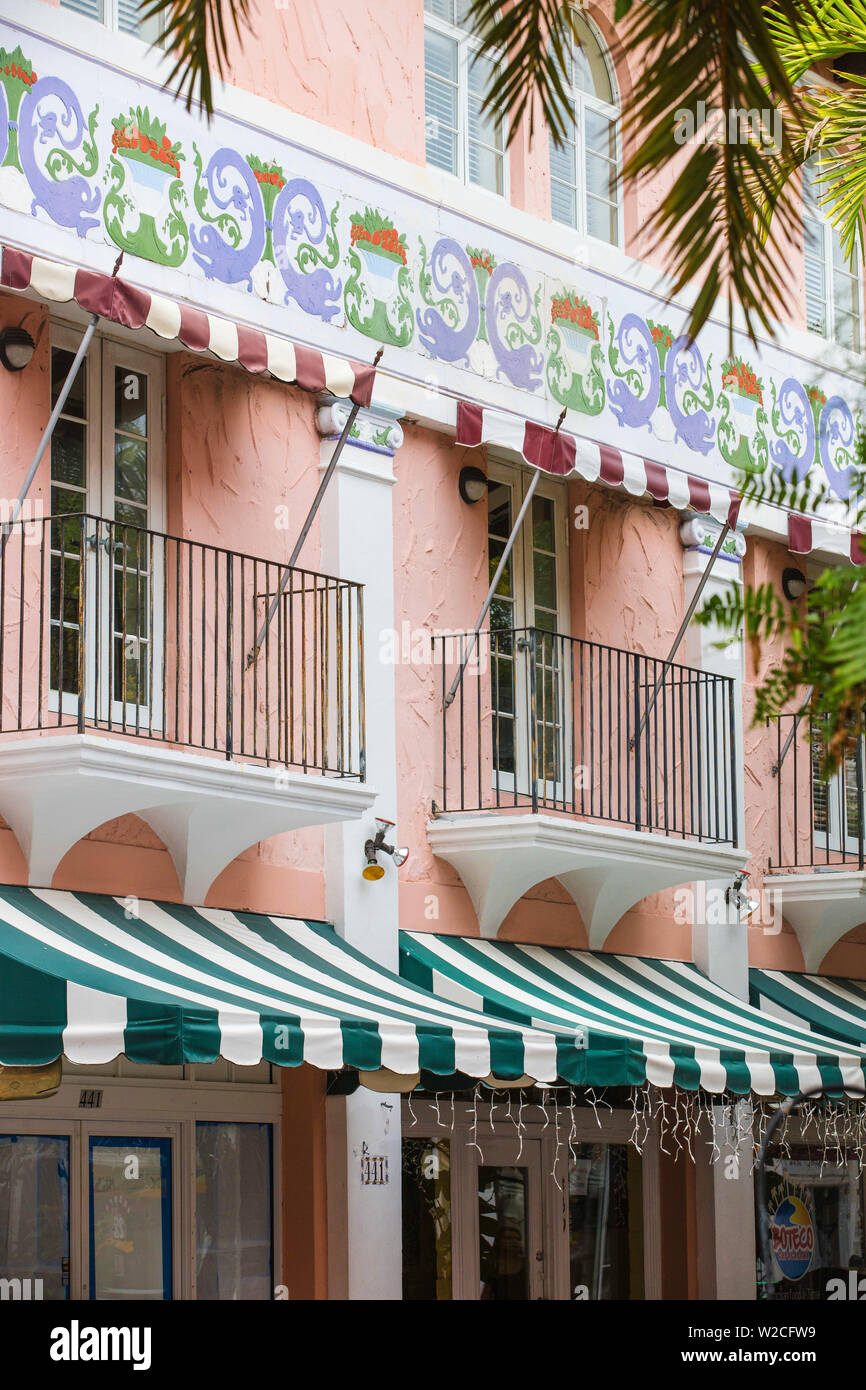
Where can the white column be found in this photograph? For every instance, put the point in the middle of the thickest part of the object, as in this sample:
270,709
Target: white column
720,946
357,531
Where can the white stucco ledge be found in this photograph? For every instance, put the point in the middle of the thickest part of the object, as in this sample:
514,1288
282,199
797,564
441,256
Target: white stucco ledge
57,788
605,869
821,907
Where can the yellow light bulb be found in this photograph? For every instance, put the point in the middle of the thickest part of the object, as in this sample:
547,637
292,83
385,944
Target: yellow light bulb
373,872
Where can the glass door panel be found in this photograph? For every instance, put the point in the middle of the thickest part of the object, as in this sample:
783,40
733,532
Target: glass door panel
130,1217
34,1215
233,1207
427,1220
509,1257
605,1225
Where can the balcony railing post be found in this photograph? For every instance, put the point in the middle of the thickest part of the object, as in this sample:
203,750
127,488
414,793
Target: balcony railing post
638,735
229,656
858,761
732,724
533,722
82,622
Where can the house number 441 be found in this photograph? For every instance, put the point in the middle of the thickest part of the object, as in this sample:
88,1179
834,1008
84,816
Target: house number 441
374,1170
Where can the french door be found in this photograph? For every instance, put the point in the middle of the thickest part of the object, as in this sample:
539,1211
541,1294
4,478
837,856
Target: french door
838,801
530,690
107,565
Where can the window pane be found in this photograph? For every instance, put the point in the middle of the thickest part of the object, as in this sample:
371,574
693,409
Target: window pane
600,178
130,401
563,204
816,1226
130,471
426,1219
605,1222
91,8
590,70
130,1218
440,100
68,453
600,134
129,19
544,573
442,9
601,220
503,1233
542,523
34,1213
486,168
234,1221
562,161
76,401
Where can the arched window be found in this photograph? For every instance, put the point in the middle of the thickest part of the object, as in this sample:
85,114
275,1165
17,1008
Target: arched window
833,290
459,139
584,171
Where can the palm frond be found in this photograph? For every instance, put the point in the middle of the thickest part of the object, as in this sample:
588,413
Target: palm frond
194,32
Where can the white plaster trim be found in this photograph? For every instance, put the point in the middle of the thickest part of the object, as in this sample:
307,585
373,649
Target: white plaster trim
55,789
606,869
821,907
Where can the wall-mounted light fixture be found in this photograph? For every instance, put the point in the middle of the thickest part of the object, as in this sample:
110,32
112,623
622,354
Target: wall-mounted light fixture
373,870
472,484
793,584
738,900
16,348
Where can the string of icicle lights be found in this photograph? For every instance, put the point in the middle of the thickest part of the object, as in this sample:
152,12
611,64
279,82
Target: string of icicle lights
732,1127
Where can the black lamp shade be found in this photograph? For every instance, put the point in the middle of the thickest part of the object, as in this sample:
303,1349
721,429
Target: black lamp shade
16,348
472,484
793,584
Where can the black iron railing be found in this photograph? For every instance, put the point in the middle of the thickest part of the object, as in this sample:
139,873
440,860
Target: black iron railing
819,819
108,626
545,722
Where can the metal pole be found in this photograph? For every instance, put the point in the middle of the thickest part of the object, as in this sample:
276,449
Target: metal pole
305,529
52,420
696,598
777,766
494,584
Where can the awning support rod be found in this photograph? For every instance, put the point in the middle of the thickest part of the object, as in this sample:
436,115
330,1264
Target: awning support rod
777,767
305,529
52,421
696,598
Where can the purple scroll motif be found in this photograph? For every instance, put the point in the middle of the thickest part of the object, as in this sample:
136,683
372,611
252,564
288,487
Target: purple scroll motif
836,432
303,239
42,127
634,395
508,307
793,423
451,292
232,188
689,396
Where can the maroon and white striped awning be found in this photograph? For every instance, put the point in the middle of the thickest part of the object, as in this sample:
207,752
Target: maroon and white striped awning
120,302
562,453
807,534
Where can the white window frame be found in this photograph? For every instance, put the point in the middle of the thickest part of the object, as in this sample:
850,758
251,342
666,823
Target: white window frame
467,46
151,1109
580,101
518,480
99,497
110,20
813,209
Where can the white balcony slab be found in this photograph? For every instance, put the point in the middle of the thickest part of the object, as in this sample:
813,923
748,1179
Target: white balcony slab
207,810
606,869
821,907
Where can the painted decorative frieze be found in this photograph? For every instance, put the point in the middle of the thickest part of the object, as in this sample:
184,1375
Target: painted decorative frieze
246,224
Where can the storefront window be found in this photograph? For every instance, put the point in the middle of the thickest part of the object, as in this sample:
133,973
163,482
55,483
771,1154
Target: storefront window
816,1227
130,1218
605,1227
233,1211
34,1216
427,1219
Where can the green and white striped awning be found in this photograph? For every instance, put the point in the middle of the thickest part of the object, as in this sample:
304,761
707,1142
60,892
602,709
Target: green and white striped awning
83,975
834,1007
645,1020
